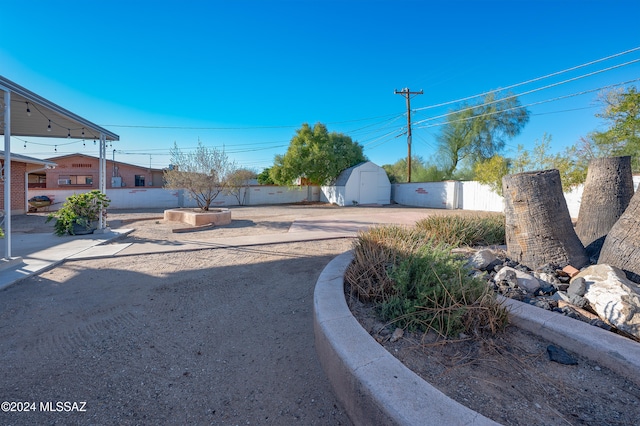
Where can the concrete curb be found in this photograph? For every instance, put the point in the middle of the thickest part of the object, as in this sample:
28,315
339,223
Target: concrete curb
375,388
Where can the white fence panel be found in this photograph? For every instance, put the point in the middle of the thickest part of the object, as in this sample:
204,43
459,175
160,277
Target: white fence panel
160,198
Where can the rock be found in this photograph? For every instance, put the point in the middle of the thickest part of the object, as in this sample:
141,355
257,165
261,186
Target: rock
559,355
397,335
542,303
613,297
578,301
523,280
578,287
482,259
547,277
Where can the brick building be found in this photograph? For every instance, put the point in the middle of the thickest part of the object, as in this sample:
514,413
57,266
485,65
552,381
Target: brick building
20,166
82,171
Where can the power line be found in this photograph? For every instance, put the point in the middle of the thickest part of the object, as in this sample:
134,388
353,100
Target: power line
528,92
524,106
530,81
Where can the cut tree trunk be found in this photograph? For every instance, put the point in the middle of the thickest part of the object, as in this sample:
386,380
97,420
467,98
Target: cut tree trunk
538,225
621,248
607,192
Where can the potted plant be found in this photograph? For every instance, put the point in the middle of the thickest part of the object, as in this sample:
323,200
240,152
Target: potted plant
80,213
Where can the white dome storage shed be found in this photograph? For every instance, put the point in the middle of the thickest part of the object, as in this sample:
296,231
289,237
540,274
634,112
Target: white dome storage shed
364,183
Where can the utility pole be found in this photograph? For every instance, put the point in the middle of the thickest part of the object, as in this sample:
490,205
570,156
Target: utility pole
406,93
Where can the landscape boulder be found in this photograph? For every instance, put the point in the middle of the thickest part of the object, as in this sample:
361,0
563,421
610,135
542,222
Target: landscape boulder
525,281
614,298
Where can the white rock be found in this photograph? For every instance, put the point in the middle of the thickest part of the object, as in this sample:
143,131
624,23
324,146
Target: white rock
525,281
482,258
613,296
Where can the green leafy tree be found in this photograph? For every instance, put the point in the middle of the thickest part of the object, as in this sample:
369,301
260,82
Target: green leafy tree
490,172
477,133
317,155
421,171
203,173
572,164
264,178
621,111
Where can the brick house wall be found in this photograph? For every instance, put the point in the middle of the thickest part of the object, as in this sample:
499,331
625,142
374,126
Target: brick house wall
18,200
78,171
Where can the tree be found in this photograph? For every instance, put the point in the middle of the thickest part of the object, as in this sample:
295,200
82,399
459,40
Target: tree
607,192
239,183
203,173
476,133
571,163
264,178
317,155
621,247
490,172
420,171
621,110
538,226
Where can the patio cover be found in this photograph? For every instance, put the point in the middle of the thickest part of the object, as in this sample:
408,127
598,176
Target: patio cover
24,113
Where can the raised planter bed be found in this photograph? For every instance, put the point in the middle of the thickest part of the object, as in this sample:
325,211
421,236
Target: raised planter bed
197,217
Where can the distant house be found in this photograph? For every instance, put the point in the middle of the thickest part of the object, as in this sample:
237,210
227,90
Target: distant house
21,167
80,171
364,183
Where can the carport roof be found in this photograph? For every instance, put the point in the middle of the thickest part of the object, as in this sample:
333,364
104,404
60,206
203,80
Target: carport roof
28,160
31,115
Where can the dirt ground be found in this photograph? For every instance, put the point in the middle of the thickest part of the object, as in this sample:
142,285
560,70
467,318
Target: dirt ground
509,377
225,336
203,337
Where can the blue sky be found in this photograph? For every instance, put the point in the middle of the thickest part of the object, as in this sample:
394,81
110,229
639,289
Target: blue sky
244,75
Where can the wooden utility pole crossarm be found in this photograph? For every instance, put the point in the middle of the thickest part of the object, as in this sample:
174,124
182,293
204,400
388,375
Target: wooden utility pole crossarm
406,93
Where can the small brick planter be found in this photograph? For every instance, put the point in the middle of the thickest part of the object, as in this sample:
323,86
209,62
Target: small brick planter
197,217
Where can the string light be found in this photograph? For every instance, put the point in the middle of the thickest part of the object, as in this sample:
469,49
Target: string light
56,148
68,133
49,126
94,141
28,110
25,144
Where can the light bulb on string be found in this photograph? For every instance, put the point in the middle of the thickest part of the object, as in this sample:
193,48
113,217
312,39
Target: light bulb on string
94,141
68,133
49,126
28,110
25,144
55,148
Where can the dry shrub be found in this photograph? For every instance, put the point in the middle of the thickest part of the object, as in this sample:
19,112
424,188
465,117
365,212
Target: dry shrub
486,229
374,251
415,281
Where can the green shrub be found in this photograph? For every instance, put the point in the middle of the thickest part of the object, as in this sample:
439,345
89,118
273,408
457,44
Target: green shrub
486,229
374,252
79,210
417,283
434,291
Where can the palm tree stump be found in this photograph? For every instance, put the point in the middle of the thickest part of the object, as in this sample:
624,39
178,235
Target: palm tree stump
621,248
607,192
538,228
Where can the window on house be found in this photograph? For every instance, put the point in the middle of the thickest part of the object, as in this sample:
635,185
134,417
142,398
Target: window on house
75,180
139,180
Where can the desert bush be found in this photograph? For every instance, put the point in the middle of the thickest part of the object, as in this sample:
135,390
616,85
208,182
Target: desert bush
374,252
417,283
486,229
433,290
